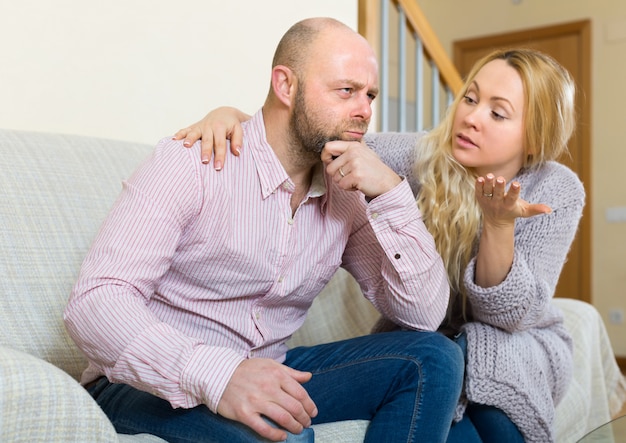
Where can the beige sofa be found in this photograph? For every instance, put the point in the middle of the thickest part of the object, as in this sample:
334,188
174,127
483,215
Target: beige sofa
56,190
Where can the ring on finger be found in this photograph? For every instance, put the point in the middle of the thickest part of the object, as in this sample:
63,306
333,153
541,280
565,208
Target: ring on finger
488,195
341,172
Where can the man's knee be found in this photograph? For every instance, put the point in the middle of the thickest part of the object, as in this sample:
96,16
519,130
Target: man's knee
435,352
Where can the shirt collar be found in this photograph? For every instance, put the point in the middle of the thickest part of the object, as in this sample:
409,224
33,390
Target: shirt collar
272,175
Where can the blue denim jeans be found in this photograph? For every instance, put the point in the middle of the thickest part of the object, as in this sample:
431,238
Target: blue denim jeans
482,423
406,383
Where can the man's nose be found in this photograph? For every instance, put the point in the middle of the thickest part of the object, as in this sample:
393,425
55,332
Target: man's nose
363,108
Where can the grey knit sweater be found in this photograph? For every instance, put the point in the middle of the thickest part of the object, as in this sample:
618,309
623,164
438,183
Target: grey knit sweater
519,355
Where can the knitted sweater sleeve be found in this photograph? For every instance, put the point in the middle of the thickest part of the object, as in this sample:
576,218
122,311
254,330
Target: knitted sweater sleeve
397,150
542,243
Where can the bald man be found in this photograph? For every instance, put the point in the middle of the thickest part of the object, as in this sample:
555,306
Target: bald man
198,278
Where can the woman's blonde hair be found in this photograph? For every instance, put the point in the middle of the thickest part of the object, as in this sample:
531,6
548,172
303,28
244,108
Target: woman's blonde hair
446,198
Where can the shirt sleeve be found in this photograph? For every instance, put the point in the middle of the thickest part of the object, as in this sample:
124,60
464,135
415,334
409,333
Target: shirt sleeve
108,315
394,258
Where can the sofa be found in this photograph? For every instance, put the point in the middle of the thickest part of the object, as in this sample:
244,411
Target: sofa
56,190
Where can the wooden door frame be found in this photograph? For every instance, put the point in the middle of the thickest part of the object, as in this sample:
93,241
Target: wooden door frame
582,29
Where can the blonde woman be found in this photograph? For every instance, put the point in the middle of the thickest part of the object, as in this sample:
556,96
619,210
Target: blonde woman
503,214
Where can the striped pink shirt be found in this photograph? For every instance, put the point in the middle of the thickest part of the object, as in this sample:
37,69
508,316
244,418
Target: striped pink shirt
195,270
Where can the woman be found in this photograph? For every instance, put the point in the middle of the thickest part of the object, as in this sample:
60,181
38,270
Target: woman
510,123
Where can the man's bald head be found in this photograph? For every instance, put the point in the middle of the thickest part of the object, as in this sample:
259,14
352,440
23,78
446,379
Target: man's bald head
295,48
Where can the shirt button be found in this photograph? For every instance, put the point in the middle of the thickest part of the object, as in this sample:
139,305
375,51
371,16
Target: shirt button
257,315
280,279
397,256
290,221
375,215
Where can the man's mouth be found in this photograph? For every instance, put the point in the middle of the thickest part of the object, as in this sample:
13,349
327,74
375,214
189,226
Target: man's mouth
355,135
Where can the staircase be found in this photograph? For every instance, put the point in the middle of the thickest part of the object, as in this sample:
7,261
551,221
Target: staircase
417,78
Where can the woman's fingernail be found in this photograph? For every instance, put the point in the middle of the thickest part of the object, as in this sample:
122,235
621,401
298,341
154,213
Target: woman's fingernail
218,165
237,151
186,144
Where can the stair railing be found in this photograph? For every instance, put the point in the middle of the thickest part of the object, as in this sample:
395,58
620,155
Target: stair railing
416,74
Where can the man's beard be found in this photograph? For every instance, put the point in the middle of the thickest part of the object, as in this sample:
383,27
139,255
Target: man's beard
309,131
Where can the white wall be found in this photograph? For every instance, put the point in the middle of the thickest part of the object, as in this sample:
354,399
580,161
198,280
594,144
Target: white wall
140,69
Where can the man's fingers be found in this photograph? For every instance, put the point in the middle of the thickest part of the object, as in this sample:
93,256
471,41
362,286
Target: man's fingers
293,408
296,391
285,419
299,376
263,388
264,429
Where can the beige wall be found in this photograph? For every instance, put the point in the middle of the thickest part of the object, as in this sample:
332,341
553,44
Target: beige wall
483,17
140,69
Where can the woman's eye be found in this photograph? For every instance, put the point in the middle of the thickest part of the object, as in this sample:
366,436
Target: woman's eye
469,99
497,116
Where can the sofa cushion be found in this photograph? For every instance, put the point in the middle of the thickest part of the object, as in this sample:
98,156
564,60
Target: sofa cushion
56,190
41,403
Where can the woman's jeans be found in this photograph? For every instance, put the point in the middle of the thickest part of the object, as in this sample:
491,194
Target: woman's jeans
482,423
406,383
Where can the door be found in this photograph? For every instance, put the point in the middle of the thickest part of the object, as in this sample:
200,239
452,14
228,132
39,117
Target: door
570,45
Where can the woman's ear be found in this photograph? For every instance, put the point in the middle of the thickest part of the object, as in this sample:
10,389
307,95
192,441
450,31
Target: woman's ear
284,83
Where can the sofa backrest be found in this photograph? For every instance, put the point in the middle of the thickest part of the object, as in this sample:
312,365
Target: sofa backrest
55,192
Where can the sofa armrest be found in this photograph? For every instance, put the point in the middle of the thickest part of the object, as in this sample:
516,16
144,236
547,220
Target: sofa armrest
41,403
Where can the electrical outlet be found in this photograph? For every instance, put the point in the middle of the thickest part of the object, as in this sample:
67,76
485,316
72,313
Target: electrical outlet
616,214
616,316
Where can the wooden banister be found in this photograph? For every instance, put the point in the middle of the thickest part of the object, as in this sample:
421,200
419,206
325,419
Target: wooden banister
432,45
369,27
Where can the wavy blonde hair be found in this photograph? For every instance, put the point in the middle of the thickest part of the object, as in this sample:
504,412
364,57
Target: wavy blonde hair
447,199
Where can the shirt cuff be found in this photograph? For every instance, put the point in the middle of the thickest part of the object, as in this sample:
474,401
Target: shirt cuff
207,374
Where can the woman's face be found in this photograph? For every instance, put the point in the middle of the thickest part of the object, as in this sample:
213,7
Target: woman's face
488,130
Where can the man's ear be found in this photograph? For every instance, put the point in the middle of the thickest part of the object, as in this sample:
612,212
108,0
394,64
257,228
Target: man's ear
284,84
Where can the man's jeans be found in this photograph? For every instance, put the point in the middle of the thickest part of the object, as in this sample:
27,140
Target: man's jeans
406,383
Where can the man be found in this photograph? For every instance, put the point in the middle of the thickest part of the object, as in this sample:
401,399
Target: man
198,278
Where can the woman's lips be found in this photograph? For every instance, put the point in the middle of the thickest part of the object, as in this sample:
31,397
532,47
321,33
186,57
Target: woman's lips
464,141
